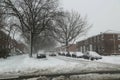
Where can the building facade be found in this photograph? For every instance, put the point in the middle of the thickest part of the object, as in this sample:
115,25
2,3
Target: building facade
104,44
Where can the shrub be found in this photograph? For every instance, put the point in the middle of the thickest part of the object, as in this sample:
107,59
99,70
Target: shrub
4,53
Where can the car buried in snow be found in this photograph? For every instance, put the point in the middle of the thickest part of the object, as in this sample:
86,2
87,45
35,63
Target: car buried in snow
91,55
77,54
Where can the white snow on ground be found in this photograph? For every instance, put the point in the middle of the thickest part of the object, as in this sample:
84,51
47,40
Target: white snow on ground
22,64
114,59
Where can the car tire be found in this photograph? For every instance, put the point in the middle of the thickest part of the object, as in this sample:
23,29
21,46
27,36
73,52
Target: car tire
96,59
92,59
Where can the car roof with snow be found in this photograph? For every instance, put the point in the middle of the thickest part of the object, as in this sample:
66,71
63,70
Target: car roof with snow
92,53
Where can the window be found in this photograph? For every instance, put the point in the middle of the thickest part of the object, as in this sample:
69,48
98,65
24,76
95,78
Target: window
94,39
102,37
98,39
102,48
119,47
91,48
81,49
118,36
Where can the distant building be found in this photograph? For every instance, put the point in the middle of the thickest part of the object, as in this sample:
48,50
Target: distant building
107,43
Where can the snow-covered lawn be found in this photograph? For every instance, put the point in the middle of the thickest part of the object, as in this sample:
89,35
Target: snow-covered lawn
22,64
114,59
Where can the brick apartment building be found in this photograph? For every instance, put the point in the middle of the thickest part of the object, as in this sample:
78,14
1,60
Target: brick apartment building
107,43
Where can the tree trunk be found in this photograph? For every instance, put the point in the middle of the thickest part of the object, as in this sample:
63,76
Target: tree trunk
31,43
67,47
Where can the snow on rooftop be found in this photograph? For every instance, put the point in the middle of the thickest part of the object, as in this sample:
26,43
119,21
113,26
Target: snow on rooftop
112,31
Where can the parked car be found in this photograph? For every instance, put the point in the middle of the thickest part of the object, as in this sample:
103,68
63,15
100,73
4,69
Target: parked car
79,55
41,55
52,54
74,55
63,54
91,55
68,54
59,53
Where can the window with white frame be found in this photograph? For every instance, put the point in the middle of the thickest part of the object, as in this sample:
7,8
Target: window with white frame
118,36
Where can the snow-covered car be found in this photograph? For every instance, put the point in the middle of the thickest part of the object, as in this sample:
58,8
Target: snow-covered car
91,55
77,54
41,55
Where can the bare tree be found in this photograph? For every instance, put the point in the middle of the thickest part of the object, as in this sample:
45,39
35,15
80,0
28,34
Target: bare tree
33,16
1,19
46,42
70,27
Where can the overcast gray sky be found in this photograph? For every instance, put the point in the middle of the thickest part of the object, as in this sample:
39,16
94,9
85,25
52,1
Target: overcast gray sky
103,14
